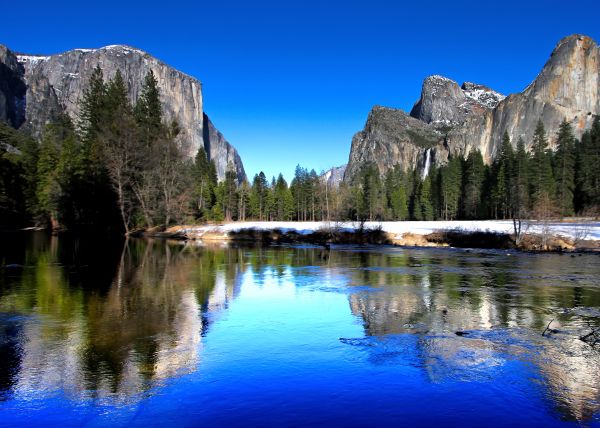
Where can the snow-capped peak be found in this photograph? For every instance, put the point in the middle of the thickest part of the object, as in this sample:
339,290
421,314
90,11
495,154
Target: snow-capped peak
482,94
439,78
123,48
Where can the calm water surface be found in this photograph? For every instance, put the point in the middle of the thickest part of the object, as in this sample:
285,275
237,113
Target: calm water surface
151,333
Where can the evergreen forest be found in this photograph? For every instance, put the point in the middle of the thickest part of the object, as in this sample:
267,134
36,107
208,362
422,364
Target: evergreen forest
119,166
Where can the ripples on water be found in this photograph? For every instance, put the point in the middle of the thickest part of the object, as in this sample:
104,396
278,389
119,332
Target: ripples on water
151,332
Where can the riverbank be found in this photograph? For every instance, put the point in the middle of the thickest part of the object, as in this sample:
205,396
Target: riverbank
537,236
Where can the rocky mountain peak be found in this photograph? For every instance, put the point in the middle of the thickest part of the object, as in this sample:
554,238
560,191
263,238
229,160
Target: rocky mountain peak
571,76
574,41
121,48
440,102
474,116
444,104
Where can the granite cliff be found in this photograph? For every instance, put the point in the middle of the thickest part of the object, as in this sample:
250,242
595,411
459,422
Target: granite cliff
449,119
334,176
34,88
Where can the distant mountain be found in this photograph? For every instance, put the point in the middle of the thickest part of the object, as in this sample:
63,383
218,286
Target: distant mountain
334,176
35,88
452,120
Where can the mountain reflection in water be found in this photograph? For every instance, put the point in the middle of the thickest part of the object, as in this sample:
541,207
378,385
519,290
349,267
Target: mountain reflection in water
113,324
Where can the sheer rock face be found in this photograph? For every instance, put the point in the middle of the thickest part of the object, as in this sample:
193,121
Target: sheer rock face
57,82
224,154
391,137
334,176
12,89
445,105
567,88
475,117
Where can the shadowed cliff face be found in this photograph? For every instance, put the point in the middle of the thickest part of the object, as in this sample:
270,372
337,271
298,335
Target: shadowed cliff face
475,117
223,153
12,89
57,82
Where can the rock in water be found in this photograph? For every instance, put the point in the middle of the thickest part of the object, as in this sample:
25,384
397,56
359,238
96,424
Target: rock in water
56,83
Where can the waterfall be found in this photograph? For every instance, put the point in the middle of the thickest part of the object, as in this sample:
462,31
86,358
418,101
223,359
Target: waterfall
427,163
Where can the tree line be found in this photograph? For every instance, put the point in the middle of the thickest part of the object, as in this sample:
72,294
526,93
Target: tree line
120,166
518,184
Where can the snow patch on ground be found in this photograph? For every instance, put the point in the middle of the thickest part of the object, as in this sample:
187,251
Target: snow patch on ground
591,230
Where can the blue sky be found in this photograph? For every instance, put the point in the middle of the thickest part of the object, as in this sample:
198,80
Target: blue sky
290,82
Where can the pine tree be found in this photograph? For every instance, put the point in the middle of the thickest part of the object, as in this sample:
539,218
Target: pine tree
71,178
204,182
450,188
29,160
243,197
300,188
313,191
593,165
229,194
371,191
95,203
520,190
122,153
399,203
414,204
283,199
564,162
473,182
502,175
258,196
148,110
48,188
93,107
425,199
18,177
541,180
59,175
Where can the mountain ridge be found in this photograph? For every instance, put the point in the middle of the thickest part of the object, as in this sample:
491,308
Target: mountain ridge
568,86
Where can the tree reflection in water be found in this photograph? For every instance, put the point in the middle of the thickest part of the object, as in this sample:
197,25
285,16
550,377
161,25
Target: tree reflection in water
110,321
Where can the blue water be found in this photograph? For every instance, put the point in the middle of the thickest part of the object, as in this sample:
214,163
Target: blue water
170,335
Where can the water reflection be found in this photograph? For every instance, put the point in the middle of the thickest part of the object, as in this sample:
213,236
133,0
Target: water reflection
474,312
88,338
115,321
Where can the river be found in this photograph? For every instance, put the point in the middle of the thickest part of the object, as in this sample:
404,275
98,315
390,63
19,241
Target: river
145,333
